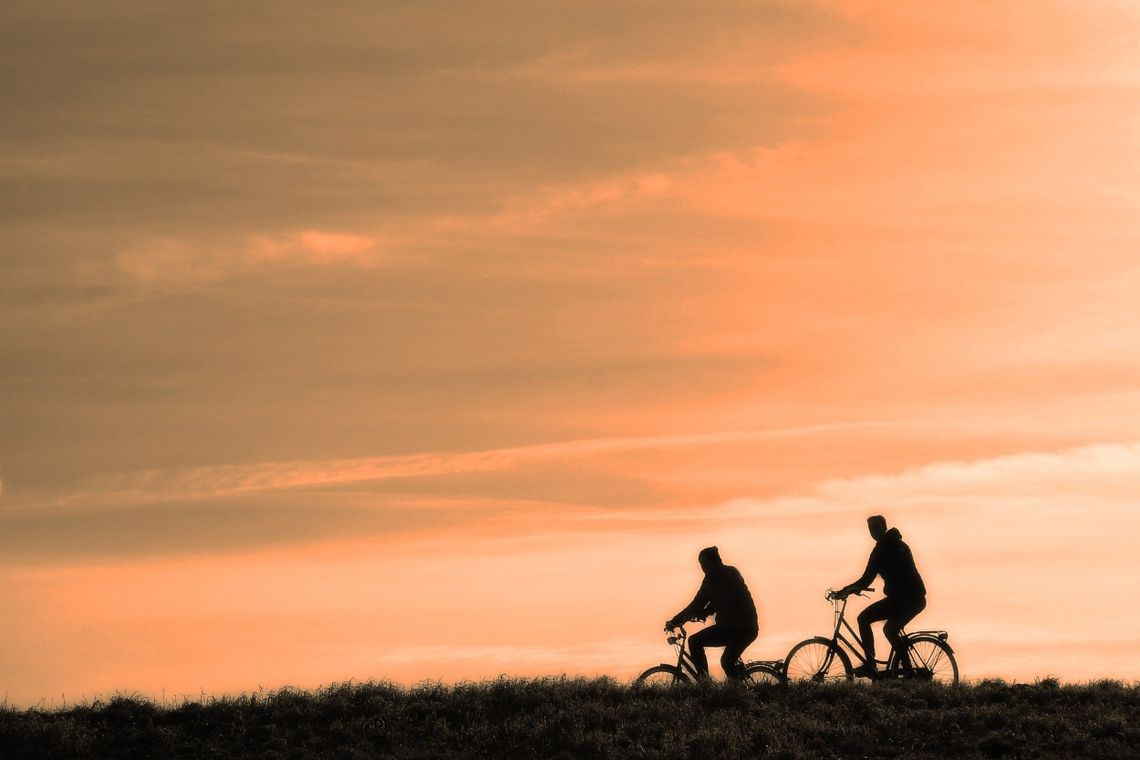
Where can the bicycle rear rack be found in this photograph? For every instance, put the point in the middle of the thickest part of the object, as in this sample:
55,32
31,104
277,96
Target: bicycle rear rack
943,635
779,664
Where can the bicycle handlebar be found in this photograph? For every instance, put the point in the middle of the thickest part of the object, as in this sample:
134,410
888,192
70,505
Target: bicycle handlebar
677,634
681,625
832,595
681,633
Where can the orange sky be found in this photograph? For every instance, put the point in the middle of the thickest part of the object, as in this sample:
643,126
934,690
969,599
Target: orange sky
421,342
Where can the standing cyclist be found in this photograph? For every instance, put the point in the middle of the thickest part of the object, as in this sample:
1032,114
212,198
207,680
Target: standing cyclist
722,593
902,585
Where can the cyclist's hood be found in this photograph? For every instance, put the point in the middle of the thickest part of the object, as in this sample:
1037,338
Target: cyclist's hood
710,554
892,535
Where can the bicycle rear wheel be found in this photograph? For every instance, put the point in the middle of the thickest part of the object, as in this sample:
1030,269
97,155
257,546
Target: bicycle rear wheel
759,674
818,660
931,659
662,675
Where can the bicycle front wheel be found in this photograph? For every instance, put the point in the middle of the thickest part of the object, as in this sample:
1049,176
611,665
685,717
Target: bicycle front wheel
931,659
818,660
759,674
662,675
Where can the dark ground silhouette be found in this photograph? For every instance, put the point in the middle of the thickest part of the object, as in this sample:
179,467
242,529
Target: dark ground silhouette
560,718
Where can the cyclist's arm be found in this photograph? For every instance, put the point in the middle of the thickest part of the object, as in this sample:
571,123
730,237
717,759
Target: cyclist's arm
695,608
864,580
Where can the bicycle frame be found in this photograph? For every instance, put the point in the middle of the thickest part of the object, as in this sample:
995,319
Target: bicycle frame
814,659
685,660
854,645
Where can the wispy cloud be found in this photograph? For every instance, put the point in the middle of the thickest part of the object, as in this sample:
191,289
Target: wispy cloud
173,261
1076,480
1109,468
216,482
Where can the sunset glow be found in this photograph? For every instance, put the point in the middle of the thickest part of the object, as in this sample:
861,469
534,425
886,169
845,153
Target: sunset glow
433,340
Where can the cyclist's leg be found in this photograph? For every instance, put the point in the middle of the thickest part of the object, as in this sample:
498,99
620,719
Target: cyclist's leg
737,642
880,610
713,636
905,611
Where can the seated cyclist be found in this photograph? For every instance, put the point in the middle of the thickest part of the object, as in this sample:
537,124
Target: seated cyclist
902,586
722,593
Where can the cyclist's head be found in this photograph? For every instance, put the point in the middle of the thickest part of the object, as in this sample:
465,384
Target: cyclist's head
877,524
709,558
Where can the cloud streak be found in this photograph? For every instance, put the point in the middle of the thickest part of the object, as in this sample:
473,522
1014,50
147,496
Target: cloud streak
205,483
167,261
1009,477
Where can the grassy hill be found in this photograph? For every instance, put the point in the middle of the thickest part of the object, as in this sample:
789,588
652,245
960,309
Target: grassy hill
564,718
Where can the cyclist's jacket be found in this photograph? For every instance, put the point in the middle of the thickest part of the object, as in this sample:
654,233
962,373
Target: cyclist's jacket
891,558
725,594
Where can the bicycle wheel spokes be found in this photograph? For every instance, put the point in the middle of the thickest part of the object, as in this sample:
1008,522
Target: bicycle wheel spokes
759,675
817,660
662,675
931,660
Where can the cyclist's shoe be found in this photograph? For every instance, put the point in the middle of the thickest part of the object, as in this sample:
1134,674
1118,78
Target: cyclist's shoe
866,671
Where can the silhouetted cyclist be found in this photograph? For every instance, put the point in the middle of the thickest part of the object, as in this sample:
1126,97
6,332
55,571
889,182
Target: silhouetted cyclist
722,593
902,585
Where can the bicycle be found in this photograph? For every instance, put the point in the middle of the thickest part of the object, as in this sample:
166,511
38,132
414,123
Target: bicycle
928,655
754,673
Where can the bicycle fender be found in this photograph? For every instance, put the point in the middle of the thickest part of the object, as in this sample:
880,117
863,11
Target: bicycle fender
928,637
813,640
